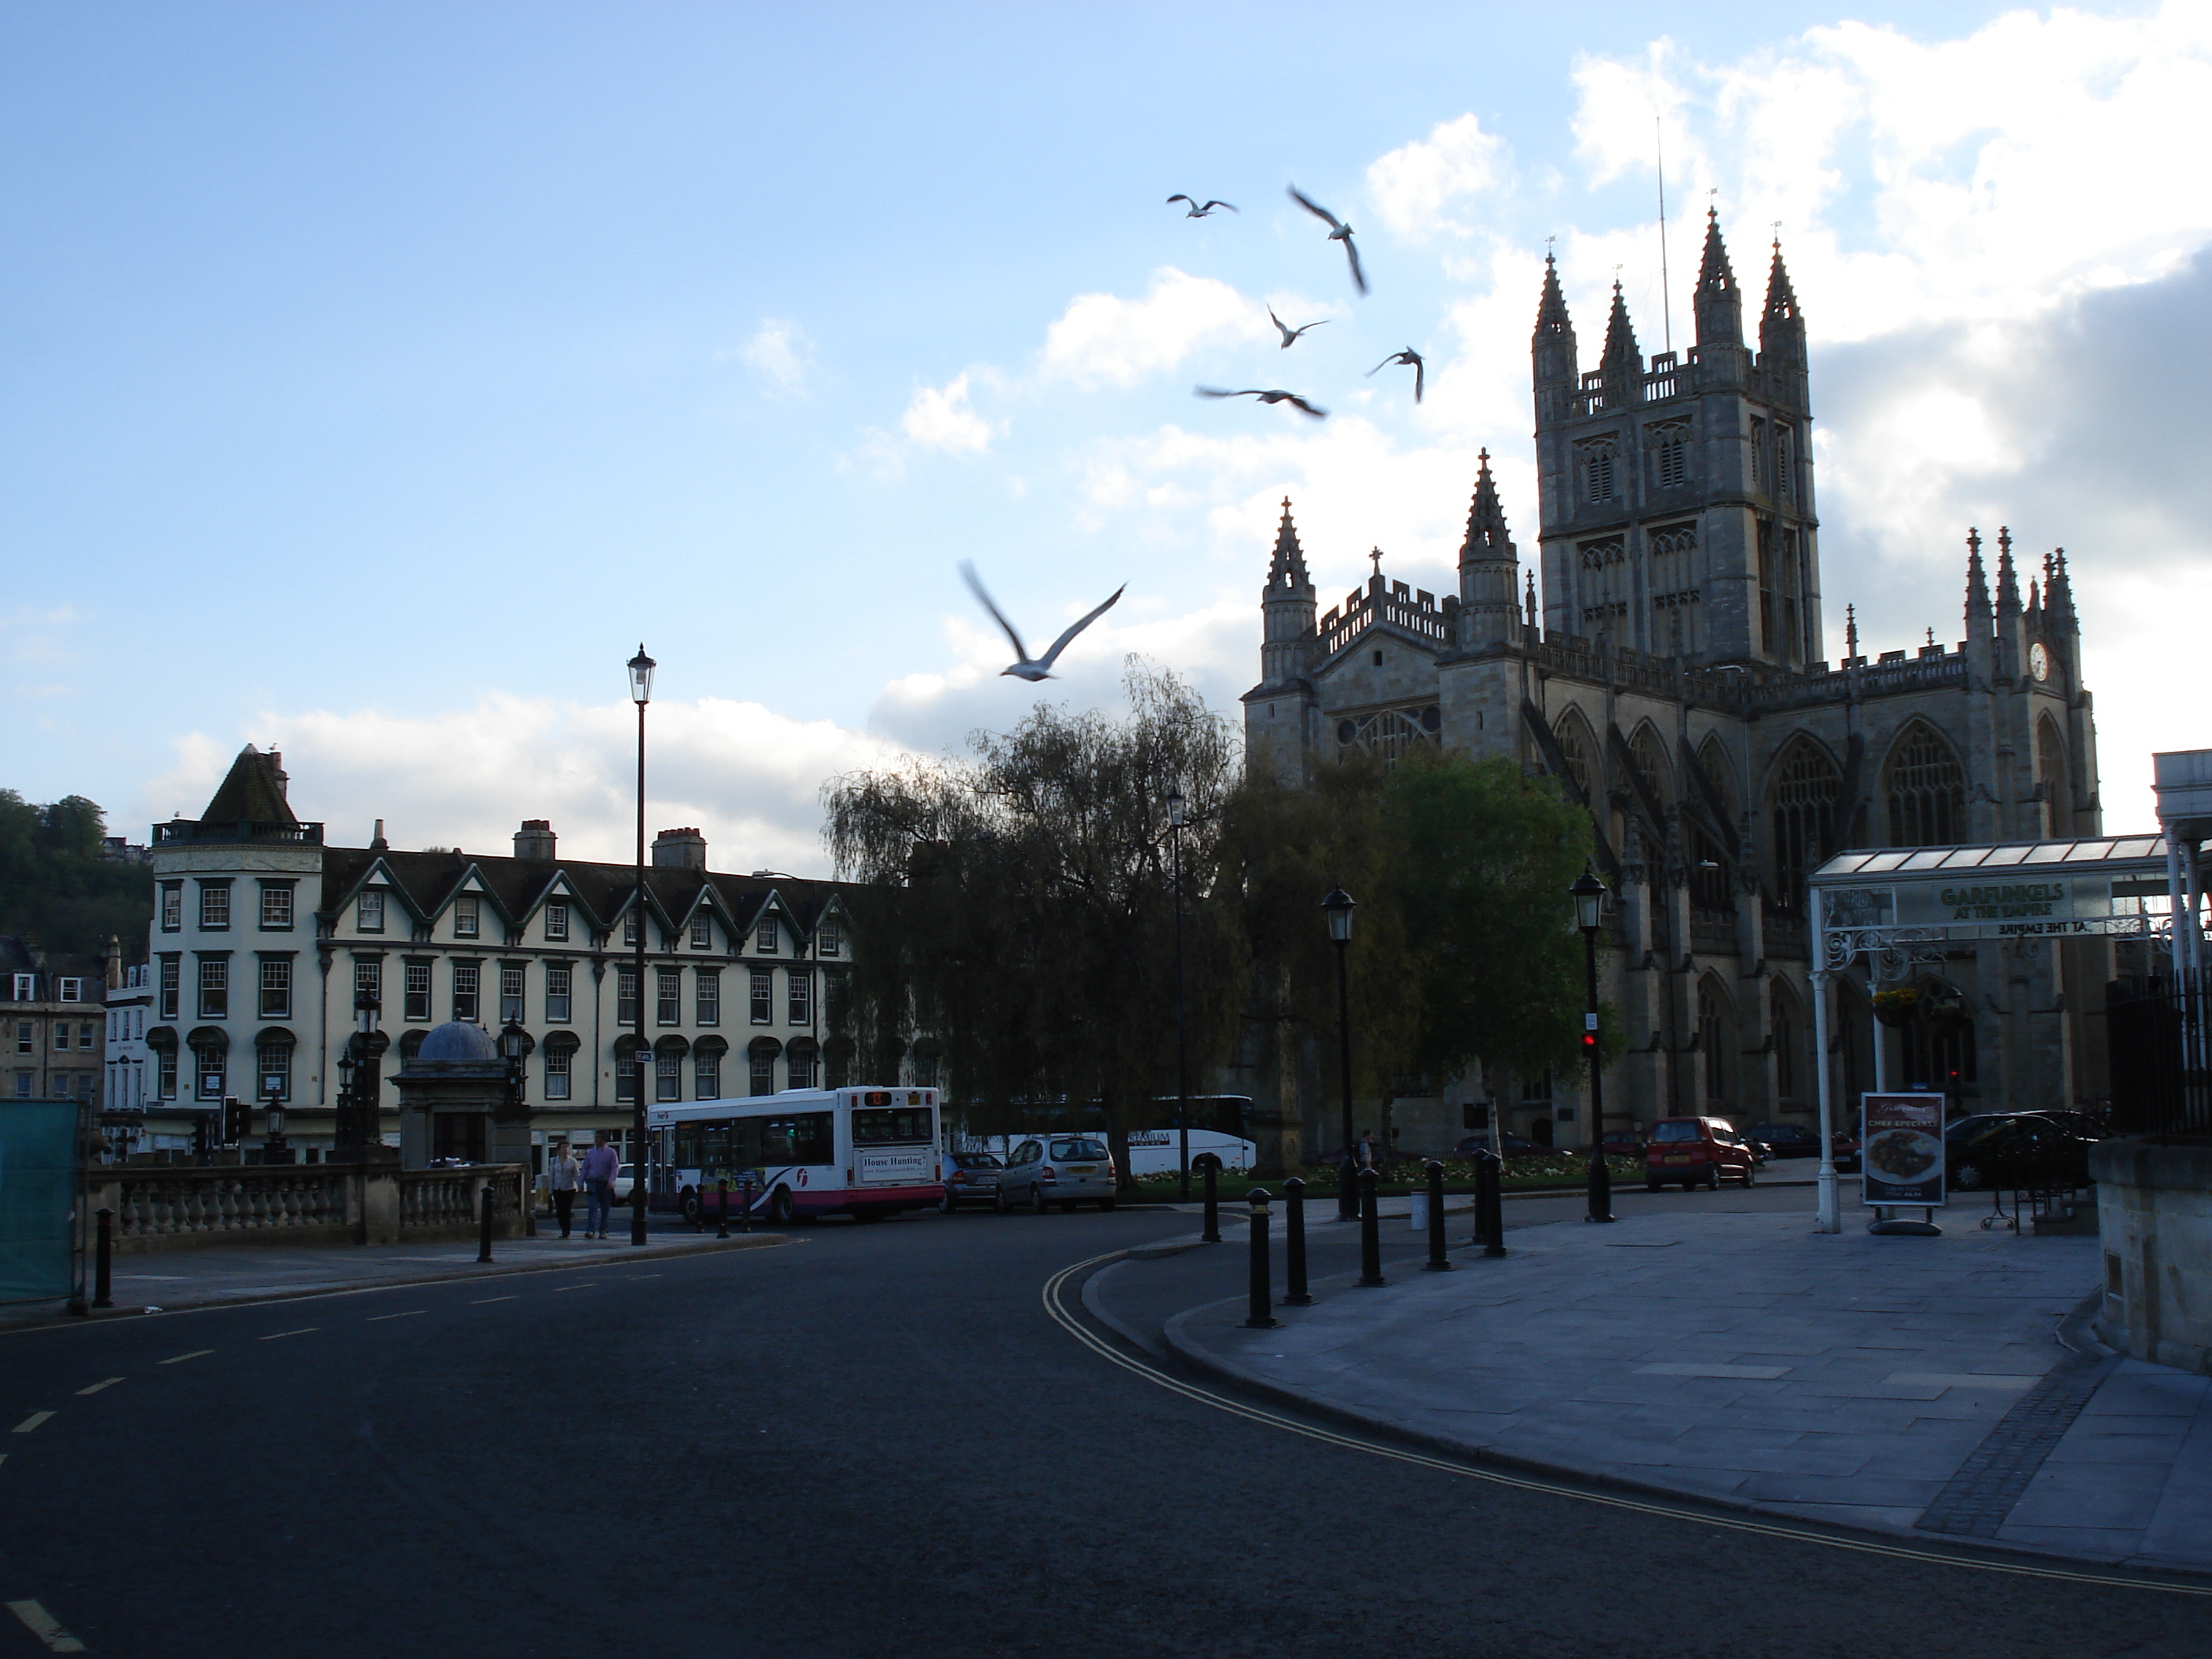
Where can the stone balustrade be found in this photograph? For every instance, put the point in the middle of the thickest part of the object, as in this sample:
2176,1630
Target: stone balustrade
174,1206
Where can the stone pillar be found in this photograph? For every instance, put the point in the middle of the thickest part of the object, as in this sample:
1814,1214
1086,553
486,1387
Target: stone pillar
2155,1220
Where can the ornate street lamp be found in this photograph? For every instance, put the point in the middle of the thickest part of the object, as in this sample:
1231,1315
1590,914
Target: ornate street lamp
349,1137
1182,1067
641,692
1589,893
1337,907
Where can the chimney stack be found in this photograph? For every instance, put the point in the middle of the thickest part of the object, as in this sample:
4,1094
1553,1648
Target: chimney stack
535,840
679,850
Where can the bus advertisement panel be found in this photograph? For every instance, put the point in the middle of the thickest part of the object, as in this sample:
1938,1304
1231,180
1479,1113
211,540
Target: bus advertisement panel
809,1153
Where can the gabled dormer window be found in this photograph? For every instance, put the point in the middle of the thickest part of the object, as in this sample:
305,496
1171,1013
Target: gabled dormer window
368,912
827,941
703,933
764,941
629,929
556,920
467,914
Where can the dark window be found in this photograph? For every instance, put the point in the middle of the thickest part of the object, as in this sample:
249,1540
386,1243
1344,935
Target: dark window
170,973
703,933
560,981
707,998
172,906
801,1138
668,1002
828,942
1804,804
1927,791
799,1064
877,1125
276,907
215,989
763,1071
707,1077
557,921
368,913
626,996
467,978
764,941
668,1076
510,993
556,1071
1713,1042
799,992
418,991
368,985
273,1071
214,906
763,994
626,1070
277,990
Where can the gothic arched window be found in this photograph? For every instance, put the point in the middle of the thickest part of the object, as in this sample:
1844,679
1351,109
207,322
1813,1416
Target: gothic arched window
1805,783
1597,461
1714,1023
1789,1026
1650,757
1709,879
1576,746
1669,442
1926,789
2057,788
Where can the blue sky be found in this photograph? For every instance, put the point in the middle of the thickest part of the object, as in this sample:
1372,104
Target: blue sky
377,376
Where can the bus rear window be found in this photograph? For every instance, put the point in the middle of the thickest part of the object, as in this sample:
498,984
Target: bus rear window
876,1126
802,1137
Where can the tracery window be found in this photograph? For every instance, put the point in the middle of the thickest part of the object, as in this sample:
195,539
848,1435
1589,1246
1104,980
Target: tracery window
1574,749
1651,765
1669,443
1805,789
2057,788
1926,789
1390,732
1713,1024
1597,462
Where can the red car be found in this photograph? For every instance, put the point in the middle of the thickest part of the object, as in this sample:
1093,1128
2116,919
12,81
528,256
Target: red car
1696,1151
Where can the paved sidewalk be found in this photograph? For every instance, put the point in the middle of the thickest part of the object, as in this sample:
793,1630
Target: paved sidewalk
1912,1386
170,1281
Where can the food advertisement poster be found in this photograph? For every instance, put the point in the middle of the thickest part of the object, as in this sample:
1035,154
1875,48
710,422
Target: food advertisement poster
1901,1149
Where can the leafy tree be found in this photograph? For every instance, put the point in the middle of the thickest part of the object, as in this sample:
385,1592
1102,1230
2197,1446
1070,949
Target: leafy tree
55,887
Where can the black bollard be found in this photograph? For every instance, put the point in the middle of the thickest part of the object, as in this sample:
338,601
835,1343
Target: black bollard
1260,1316
1294,1244
103,1261
1600,1187
1213,1202
722,1192
746,1193
1437,1262
1489,1205
1370,1232
483,1227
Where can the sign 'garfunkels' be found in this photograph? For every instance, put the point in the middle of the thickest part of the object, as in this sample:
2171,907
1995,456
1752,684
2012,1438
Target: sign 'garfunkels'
1987,908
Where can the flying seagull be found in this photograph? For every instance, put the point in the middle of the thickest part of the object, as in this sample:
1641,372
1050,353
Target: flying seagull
1338,232
1198,212
1024,667
1290,397
1289,333
1408,355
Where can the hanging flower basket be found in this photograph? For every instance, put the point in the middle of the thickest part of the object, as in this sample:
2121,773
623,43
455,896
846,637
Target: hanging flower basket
1897,1007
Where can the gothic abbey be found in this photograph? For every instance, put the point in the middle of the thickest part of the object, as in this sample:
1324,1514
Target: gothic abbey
1677,685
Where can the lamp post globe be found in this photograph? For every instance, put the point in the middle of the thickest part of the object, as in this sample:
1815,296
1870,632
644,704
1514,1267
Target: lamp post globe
640,669
1589,894
1337,906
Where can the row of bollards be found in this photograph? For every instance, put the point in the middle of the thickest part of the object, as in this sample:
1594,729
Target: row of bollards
1489,1232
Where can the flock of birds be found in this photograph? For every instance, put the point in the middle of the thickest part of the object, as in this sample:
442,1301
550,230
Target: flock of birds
1027,667
1338,232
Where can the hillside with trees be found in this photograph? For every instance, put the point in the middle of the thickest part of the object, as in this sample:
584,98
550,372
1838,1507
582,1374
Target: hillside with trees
57,886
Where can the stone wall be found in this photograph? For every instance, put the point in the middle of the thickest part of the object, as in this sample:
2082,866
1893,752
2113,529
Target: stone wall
2155,1218
173,1207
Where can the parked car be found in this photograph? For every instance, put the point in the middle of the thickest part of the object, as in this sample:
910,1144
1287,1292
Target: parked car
1515,1146
1793,1140
625,1178
970,1178
1696,1151
1064,1169
1624,1143
2014,1149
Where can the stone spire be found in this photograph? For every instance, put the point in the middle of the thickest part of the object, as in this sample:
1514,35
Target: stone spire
1288,571
2059,597
1287,607
1850,631
1531,603
1782,329
1719,301
2008,578
1488,562
1557,364
1977,589
1624,361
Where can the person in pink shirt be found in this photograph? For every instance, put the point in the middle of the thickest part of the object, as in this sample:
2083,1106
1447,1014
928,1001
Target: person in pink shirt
600,1166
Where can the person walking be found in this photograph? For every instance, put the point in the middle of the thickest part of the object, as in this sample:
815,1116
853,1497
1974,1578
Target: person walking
600,1166
563,1174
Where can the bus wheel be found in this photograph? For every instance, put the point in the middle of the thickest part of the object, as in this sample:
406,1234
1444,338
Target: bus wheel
779,1207
692,1211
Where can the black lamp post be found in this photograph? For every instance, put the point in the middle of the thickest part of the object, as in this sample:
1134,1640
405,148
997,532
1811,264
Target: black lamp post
272,1091
640,692
1589,906
1182,1063
1337,907
349,1136
511,1038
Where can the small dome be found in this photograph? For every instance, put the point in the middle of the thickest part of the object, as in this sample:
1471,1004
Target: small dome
470,1044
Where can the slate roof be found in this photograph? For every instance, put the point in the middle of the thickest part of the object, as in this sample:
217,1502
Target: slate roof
253,792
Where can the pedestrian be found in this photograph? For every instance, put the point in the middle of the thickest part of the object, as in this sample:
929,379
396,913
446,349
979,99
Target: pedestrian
563,1174
1367,1149
600,1166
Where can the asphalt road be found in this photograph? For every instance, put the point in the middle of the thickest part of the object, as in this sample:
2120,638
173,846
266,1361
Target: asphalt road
871,1442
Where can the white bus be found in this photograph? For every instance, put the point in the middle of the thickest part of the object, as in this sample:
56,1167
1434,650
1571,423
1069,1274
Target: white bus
867,1153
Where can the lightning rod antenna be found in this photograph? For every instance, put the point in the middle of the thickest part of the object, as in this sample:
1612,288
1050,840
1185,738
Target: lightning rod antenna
1665,294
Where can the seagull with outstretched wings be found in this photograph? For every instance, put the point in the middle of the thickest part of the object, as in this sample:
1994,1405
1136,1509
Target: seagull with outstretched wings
1200,211
1408,355
1026,667
1290,335
1338,232
1290,397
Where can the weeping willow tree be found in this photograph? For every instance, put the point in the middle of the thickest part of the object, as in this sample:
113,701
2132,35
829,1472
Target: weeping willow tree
1016,920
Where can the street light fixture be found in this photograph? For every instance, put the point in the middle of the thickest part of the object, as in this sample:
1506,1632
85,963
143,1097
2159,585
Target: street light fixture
349,1137
1337,907
641,692
1176,821
1589,893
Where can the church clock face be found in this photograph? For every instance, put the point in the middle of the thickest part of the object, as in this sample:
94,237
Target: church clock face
2039,661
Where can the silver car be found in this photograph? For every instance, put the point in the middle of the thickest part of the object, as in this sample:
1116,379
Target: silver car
969,1178
1066,1169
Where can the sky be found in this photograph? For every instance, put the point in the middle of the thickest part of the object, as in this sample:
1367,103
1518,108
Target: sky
374,378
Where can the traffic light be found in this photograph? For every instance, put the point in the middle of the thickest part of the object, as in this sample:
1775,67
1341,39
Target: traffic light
201,1147
234,1125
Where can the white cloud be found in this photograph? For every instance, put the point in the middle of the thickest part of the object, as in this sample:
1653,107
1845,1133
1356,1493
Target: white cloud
749,777
781,353
1413,184
939,418
1102,339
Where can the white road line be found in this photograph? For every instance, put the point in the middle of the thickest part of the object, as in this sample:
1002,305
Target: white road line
97,1387
574,1287
179,1359
44,1626
412,1313
279,1336
481,1301
31,1422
